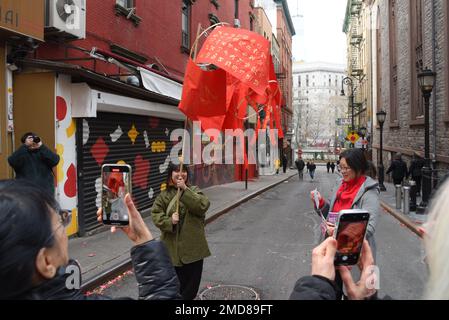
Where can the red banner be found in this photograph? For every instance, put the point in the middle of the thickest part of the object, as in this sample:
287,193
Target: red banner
241,53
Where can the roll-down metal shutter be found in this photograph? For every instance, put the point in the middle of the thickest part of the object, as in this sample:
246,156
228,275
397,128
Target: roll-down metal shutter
109,139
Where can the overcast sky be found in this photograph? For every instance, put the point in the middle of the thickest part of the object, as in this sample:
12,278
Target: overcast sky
319,35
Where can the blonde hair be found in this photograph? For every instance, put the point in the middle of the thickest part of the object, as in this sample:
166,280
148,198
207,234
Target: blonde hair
437,246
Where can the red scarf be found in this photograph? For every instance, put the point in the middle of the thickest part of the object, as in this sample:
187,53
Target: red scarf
347,193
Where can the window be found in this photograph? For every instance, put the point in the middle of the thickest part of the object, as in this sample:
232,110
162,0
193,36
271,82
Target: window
186,12
307,81
393,31
128,4
299,81
416,47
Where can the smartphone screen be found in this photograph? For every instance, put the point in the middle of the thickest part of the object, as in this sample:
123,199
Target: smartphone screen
116,184
351,229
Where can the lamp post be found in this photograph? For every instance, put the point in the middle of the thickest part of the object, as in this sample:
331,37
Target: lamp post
426,81
381,115
349,82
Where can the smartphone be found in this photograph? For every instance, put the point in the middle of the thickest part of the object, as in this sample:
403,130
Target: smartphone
116,184
350,234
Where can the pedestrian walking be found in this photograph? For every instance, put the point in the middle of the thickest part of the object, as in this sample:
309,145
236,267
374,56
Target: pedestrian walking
35,162
312,169
415,171
308,166
356,191
183,231
332,167
398,168
338,165
300,166
34,259
284,163
328,166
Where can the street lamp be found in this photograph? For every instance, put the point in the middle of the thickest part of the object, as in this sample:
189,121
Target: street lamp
426,81
381,116
349,82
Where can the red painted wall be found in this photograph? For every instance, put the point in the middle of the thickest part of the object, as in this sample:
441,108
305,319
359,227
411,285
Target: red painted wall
157,36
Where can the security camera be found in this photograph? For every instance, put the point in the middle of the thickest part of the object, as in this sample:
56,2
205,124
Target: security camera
12,67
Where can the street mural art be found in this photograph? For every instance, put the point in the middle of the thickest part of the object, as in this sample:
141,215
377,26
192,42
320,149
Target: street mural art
138,141
66,177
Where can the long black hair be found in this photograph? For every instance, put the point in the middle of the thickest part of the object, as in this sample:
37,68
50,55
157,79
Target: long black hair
175,168
25,227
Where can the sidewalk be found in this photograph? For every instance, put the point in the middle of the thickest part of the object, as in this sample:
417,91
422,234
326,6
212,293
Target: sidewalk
103,251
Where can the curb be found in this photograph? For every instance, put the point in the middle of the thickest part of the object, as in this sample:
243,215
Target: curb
401,218
126,264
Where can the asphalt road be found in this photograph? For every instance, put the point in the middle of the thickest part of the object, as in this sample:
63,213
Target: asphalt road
266,244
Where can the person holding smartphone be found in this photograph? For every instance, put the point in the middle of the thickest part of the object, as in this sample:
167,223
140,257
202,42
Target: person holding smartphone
183,230
356,191
35,162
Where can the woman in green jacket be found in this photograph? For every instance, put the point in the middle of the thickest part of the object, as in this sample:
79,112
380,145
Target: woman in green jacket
183,230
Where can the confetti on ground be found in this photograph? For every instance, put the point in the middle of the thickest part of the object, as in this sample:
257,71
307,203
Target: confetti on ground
109,284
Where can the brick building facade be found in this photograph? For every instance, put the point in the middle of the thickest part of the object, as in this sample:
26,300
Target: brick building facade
413,35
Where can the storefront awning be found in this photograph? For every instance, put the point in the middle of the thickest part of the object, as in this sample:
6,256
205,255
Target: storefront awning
93,79
86,102
159,84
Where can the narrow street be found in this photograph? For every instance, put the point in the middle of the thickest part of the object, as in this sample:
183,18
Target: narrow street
266,244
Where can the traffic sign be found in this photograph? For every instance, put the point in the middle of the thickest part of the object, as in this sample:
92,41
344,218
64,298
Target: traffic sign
353,137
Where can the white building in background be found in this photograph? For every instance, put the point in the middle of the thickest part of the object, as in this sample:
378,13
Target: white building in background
318,106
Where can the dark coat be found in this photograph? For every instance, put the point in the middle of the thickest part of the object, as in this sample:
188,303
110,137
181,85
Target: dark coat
300,164
320,288
154,273
314,288
312,167
35,166
416,168
399,169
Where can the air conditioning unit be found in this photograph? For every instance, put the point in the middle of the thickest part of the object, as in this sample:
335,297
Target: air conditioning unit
65,19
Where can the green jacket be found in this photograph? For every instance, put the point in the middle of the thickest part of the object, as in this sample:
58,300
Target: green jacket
192,244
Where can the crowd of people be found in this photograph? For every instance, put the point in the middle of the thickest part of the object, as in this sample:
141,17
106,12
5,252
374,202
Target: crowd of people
34,253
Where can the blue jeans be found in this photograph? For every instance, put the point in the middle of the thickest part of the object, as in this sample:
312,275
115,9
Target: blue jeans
312,174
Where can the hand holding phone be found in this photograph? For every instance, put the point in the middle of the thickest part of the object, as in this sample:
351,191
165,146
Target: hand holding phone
365,287
116,184
137,231
350,234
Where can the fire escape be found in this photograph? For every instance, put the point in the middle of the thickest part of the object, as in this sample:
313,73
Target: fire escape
356,68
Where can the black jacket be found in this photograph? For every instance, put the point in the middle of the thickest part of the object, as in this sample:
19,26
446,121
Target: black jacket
416,168
399,169
300,164
320,288
314,288
152,267
36,166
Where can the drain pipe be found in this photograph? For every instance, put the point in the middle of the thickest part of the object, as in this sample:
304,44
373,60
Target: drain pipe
434,98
